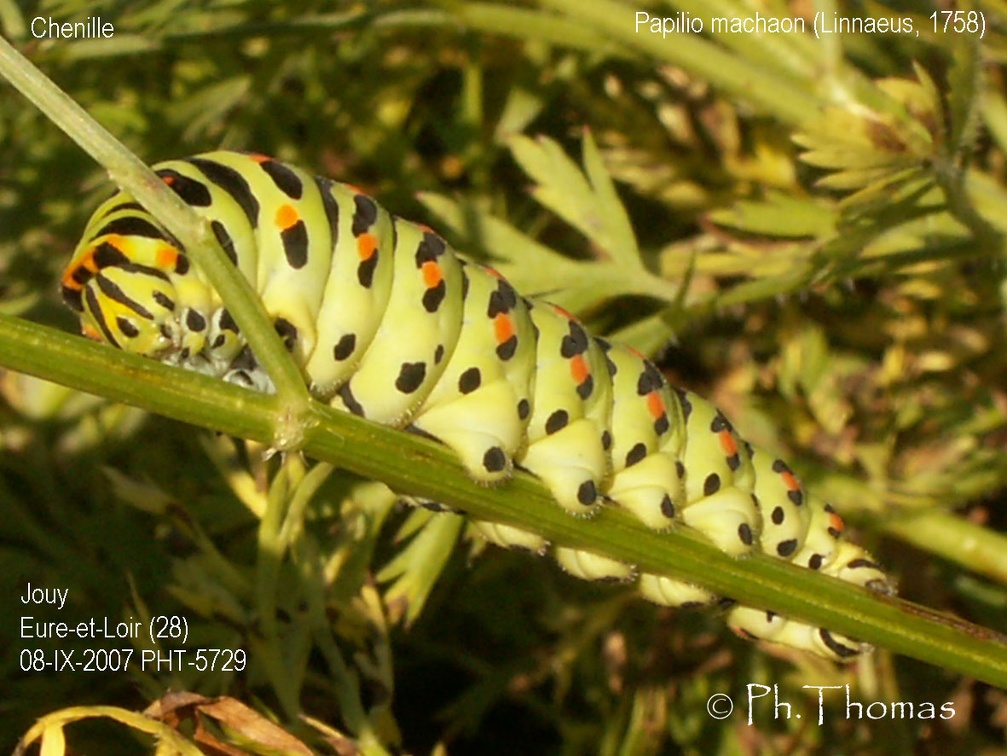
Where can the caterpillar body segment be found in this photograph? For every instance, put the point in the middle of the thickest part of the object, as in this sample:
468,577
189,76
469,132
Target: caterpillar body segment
388,322
648,436
786,513
568,436
719,479
482,404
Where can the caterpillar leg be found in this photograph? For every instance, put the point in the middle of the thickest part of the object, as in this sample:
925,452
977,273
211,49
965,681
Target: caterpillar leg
650,489
588,566
727,517
665,591
509,537
577,562
570,462
486,448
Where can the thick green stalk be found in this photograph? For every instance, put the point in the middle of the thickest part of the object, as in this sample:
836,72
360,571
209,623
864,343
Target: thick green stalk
421,467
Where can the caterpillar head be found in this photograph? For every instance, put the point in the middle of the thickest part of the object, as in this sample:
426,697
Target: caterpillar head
133,291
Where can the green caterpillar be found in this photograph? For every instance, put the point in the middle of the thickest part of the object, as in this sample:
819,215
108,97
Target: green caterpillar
389,323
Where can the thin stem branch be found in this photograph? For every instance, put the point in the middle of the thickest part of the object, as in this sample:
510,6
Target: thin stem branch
181,220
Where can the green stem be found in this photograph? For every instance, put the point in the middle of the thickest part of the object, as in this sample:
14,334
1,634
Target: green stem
271,551
423,468
954,539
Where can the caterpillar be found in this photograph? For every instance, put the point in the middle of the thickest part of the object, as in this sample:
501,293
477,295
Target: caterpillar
388,322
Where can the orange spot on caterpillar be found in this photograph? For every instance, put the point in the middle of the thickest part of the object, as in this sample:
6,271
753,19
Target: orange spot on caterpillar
579,369
790,481
166,257
169,179
635,352
432,274
503,327
727,443
259,158
655,404
493,272
286,216
366,246
91,332
836,522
